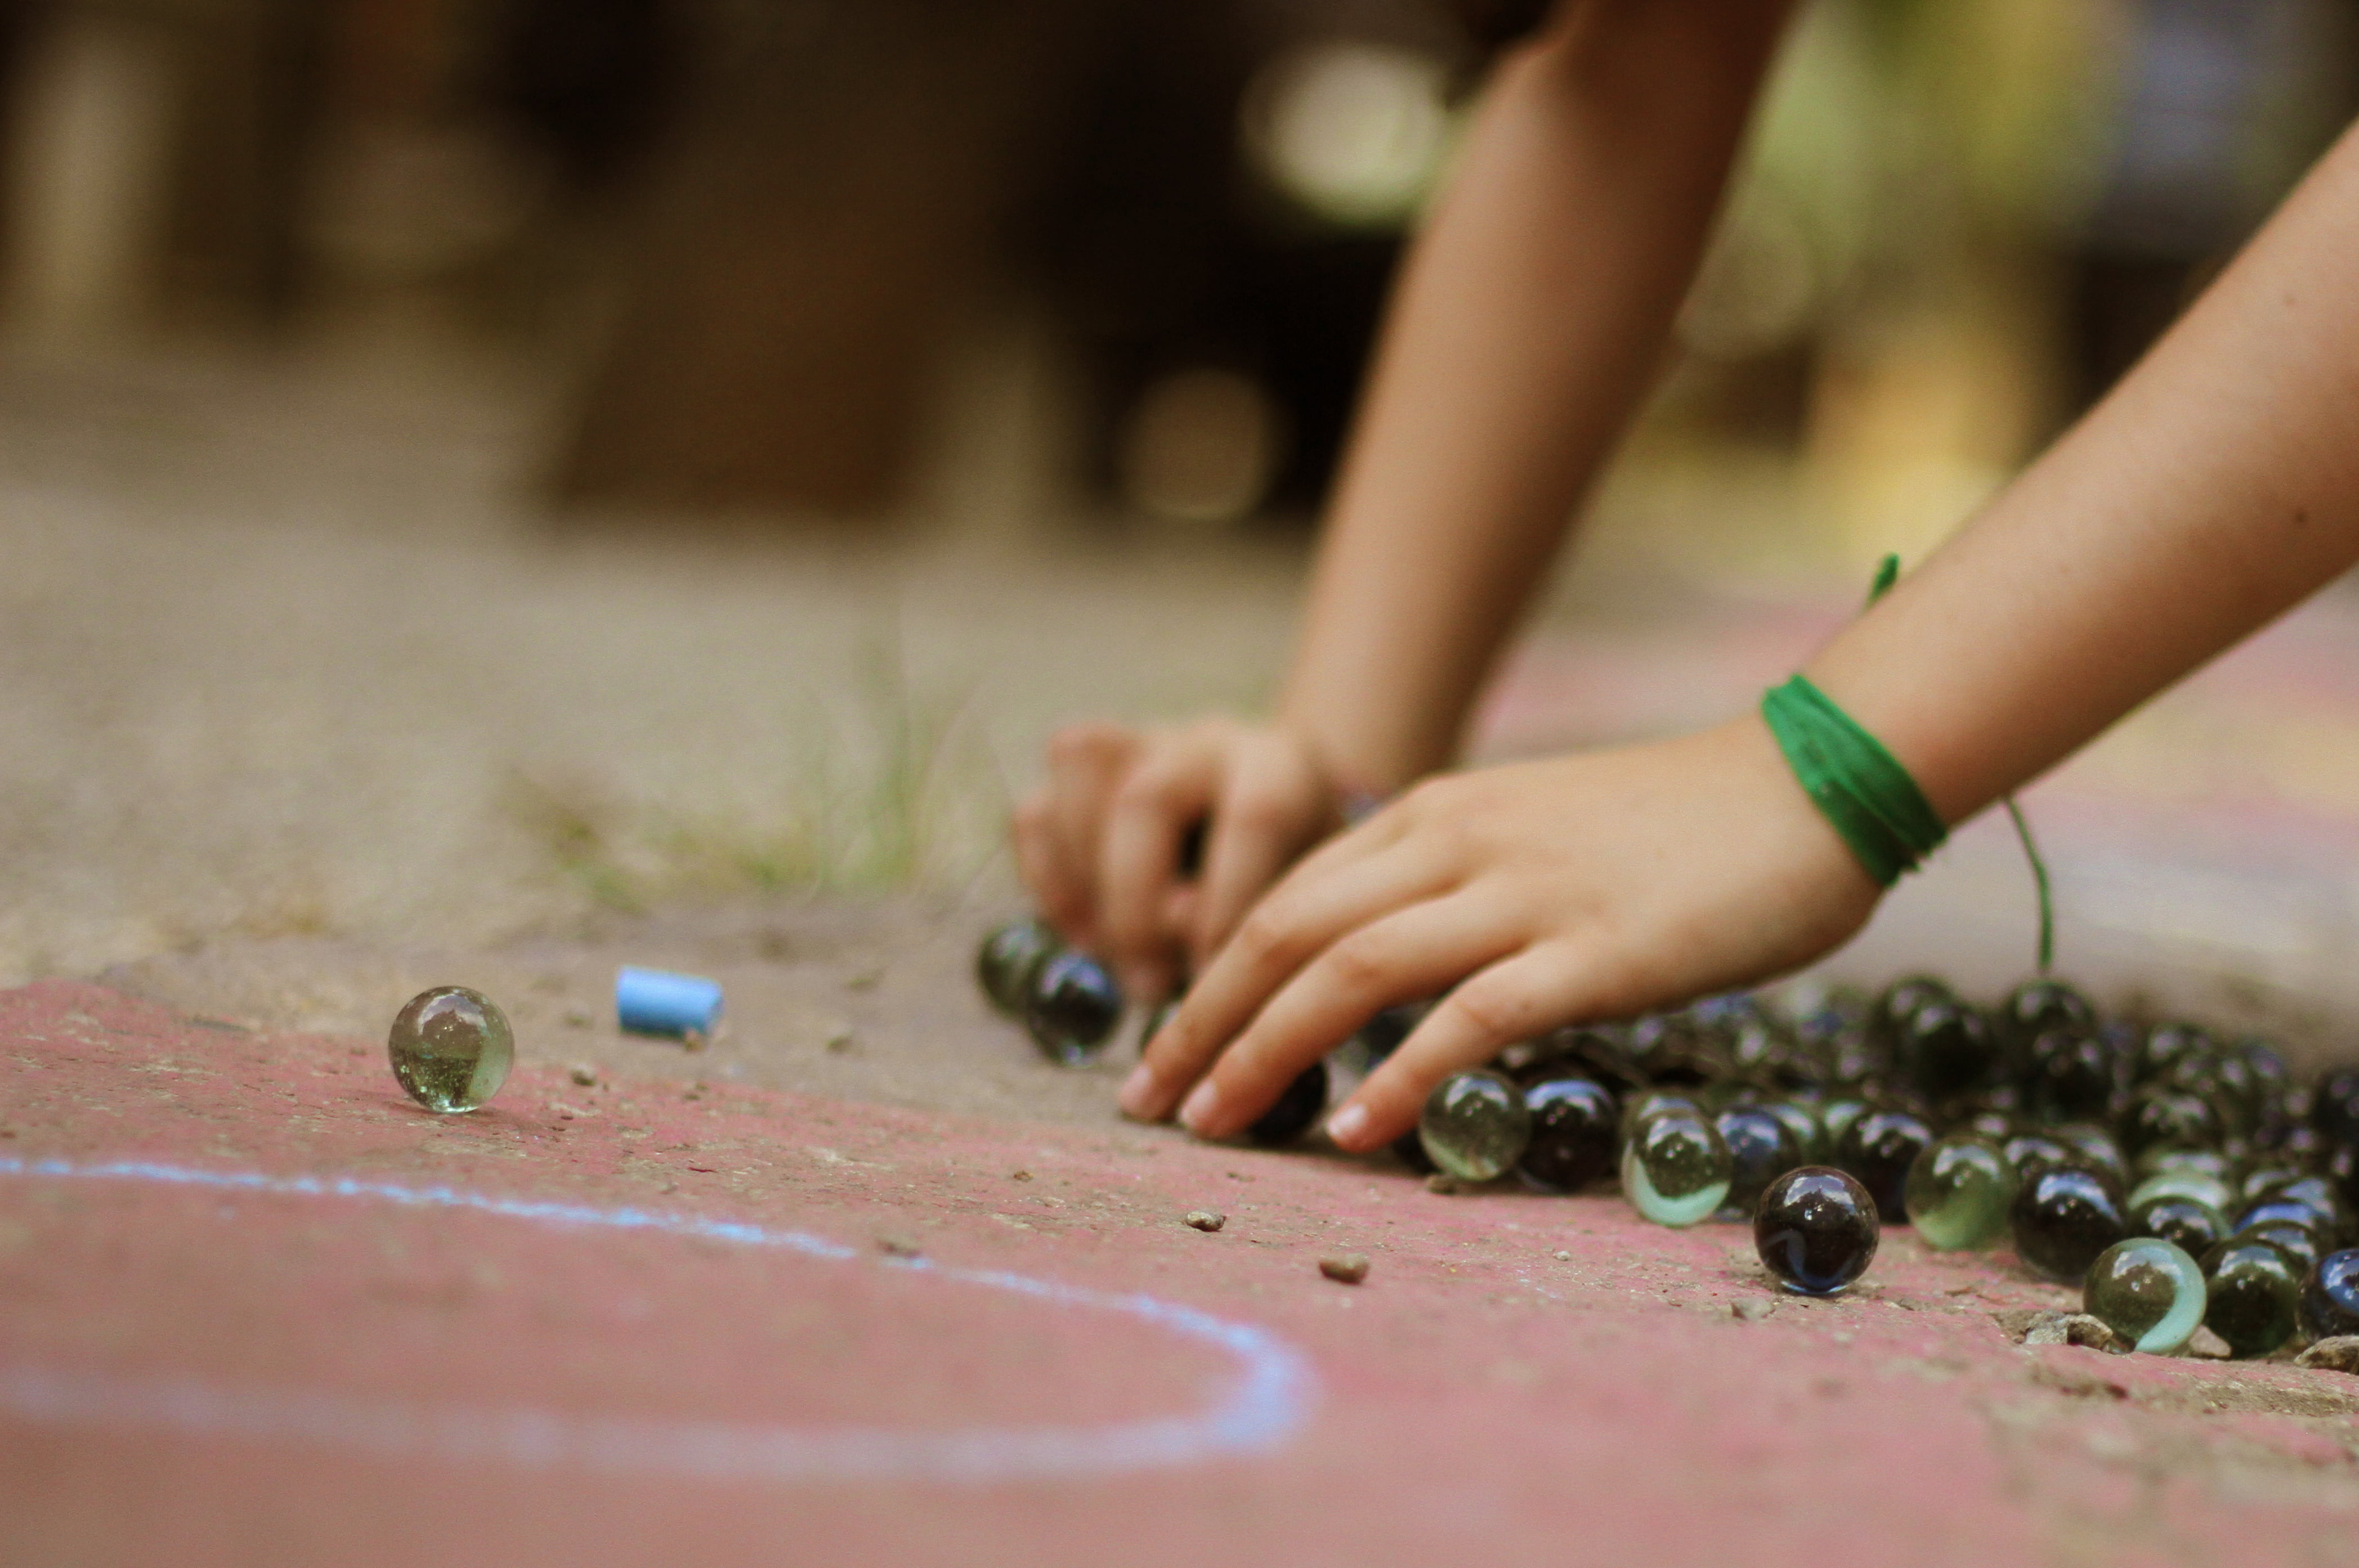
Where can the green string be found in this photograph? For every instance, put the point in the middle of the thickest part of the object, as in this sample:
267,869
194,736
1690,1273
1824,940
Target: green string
1860,787
1887,572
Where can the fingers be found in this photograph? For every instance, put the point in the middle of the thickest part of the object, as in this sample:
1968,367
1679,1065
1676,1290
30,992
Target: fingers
1150,814
1521,996
1057,827
1272,804
1293,925
1413,952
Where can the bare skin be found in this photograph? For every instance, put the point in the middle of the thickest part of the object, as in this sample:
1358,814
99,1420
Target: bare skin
2214,489
1524,332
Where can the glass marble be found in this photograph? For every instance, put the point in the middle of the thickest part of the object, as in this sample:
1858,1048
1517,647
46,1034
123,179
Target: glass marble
1761,1147
1675,1050
2188,1224
2096,1148
1816,1230
2064,1217
1959,1193
1475,1126
2275,1206
1810,1134
1675,1168
2146,1289
1878,1149
1574,1130
2208,1163
2225,1083
2041,1006
2188,1185
1009,959
2265,1175
1835,1119
2330,1295
2071,1075
1293,1112
2306,1246
1073,1010
450,1049
1382,1034
1651,1103
1944,1049
2334,1106
2320,1192
2032,1152
1903,997
2253,1294
2165,1044
2162,1117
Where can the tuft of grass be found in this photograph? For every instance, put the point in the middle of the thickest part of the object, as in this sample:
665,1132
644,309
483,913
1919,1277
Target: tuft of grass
895,789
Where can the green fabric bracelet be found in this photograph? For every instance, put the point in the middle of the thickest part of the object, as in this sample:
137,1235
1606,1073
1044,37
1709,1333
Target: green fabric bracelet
1858,785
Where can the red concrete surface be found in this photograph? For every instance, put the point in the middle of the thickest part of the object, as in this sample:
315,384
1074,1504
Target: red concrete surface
199,1373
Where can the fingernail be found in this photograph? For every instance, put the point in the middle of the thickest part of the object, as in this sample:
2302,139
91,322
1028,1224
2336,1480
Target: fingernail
1137,1096
1202,1106
1345,1125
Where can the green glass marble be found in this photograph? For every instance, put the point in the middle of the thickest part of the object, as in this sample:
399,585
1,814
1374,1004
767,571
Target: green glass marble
1960,1192
2147,1291
1676,1169
1475,1125
1649,1104
450,1049
2253,1295
2195,1186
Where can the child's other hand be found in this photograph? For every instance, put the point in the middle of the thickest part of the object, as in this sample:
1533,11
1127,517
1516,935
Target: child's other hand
1101,843
1580,887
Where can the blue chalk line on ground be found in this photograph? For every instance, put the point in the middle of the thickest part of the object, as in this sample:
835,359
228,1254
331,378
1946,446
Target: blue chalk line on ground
1258,1411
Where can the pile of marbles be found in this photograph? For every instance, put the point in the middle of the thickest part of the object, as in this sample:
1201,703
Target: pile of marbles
2179,1177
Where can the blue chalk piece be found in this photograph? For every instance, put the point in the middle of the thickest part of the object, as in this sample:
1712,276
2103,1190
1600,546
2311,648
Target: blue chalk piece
650,1001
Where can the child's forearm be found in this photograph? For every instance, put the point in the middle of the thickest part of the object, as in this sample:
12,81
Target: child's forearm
1525,329
2217,486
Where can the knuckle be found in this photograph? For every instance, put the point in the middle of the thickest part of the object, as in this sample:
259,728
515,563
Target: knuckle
1265,931
1360,963
1495,1009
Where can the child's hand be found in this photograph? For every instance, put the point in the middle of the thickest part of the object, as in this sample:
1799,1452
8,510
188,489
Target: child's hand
1100,844
1581,887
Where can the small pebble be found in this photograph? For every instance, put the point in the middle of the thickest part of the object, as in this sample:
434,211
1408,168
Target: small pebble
2339,1354
1204,1219
1344,1267
1752,1309
1441,1182
2075,1328
1562,1255
2205,1345
896,1247
1020,1175
585,1074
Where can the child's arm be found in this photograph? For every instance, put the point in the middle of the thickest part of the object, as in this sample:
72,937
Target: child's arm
2218,485
1526,328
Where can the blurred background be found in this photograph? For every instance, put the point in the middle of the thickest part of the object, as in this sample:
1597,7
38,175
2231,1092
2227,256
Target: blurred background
469,465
